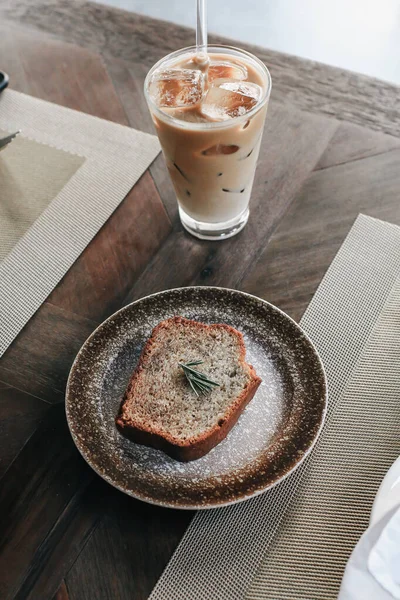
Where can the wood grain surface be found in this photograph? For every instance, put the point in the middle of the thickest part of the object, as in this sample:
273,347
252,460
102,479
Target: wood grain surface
326,156
141,41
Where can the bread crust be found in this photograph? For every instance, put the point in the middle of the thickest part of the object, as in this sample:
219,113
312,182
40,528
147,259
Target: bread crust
189,449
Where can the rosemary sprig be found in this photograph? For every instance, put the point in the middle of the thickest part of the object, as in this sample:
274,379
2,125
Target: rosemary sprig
199,382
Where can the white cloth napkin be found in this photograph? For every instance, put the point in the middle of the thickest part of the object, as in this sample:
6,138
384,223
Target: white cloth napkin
373,570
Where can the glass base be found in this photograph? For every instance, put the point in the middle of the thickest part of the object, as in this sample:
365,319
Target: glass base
214,231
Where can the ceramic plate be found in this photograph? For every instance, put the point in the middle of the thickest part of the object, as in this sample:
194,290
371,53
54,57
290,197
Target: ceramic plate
271,438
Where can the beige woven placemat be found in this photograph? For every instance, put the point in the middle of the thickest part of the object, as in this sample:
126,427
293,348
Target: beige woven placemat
332,506
293,541
75,169
31,175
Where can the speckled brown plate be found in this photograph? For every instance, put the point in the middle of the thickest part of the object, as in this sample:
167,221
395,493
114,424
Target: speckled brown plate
271,438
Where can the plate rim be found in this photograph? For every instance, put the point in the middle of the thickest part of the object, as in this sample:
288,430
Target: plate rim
210,505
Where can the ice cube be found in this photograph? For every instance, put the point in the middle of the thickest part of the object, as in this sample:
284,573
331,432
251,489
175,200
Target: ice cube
185,114
176,87
227,99
226,70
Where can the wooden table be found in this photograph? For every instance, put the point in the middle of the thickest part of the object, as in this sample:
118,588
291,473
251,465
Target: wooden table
64,532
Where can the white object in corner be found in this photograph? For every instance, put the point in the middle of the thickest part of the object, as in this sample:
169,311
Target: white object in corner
388,496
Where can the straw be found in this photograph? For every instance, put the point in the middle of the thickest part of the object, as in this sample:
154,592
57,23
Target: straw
201,29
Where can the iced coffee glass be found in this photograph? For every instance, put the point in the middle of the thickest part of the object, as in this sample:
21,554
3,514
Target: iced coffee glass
209,117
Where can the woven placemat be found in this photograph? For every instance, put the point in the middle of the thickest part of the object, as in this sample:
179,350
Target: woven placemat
31,175
102,161
293,541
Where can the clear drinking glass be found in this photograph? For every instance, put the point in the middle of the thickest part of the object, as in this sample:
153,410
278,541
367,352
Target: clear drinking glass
212,164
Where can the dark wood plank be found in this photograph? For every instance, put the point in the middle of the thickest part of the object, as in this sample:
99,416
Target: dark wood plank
98,282
60,549
293,143
352,142
128,551
20,414
9,48
35,492
303,246
39,359
128,80
305,84
62,73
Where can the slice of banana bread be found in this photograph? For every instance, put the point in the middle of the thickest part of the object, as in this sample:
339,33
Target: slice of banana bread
160,408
